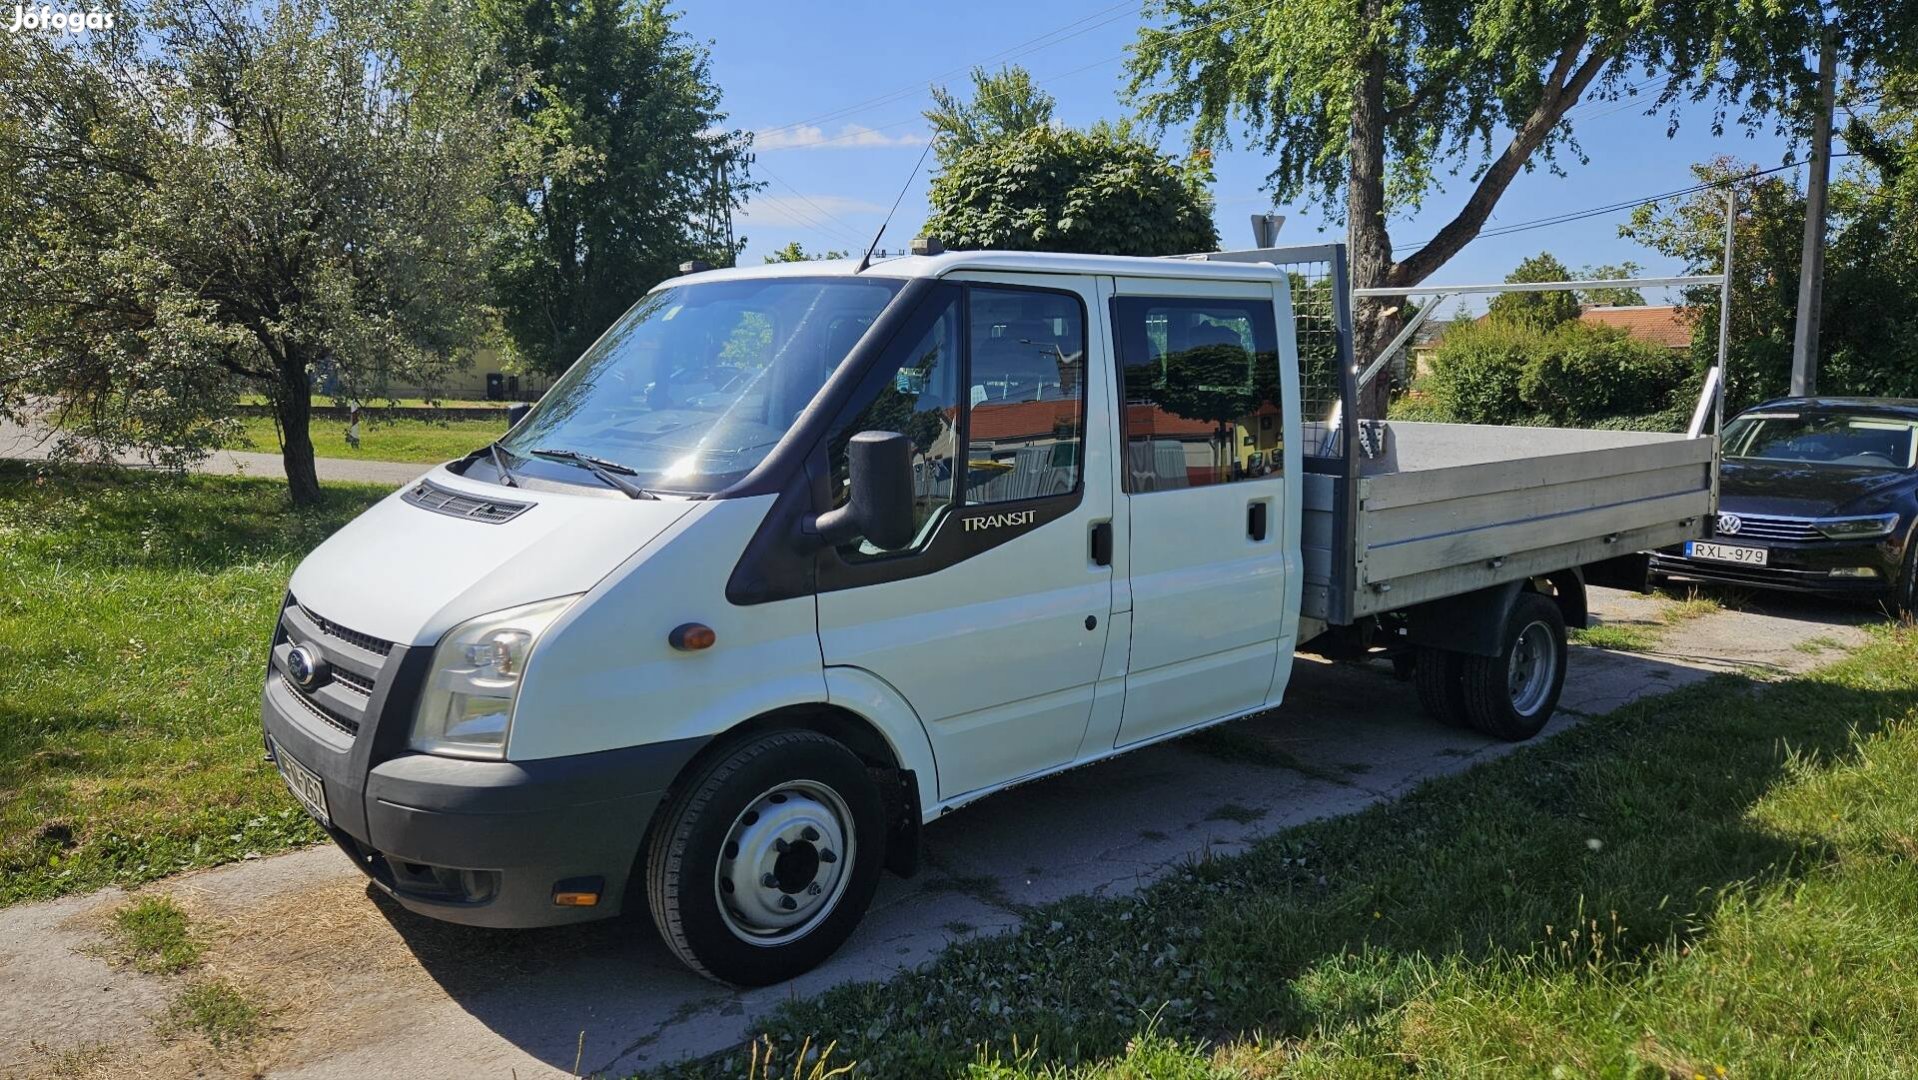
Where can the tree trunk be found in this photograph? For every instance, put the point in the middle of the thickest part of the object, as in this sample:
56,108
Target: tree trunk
293,405
1368,243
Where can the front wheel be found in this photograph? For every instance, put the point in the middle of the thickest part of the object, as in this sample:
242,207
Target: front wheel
764,861
1510,696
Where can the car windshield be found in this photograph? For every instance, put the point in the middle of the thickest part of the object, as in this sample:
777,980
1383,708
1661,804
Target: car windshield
1859,440
697,383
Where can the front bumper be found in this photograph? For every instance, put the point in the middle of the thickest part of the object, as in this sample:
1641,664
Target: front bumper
1794,567
483,843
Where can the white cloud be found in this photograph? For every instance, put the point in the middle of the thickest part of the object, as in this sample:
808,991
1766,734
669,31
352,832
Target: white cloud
811,211
850,137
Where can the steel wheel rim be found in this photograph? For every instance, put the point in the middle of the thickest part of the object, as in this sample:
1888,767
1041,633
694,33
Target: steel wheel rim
785,863
1533,666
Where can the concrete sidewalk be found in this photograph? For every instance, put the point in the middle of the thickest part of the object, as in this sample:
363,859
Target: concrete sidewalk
34,443
362,988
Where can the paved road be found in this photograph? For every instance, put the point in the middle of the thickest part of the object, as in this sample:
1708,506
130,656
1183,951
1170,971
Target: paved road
34,443
365,989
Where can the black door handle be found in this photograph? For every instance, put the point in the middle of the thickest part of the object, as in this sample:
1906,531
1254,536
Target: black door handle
1255,521
1102,543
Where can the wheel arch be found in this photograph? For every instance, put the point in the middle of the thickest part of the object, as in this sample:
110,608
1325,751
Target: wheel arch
892,770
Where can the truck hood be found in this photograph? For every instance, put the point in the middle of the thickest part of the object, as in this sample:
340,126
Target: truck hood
408,574
1795,489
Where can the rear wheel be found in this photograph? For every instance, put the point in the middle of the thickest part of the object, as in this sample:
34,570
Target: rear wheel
1438,676
764,861
1511,696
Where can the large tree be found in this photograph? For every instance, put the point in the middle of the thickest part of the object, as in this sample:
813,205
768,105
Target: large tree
218,196
1057,189
1366,106
633,173
1005,102
1869,341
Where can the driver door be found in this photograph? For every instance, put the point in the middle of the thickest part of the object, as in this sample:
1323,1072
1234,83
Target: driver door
992,623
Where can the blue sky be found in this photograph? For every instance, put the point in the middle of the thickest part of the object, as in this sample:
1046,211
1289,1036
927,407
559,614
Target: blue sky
835,91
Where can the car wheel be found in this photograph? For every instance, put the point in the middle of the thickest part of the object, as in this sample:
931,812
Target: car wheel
765,860
1905,592
1439,678
1510,696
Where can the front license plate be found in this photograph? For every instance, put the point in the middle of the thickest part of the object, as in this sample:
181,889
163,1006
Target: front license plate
304,783
1750,556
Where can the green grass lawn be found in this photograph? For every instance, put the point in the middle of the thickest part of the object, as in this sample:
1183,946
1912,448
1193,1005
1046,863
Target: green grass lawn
324,402
134,620
1717,883
426,441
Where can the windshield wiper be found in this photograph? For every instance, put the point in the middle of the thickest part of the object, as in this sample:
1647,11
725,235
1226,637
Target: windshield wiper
612,472
499,465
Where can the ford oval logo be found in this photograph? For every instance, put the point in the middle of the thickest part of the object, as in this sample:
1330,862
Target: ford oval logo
1729,524
305,667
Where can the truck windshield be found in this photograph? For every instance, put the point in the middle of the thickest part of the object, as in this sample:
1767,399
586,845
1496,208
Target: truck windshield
1823,438
697,383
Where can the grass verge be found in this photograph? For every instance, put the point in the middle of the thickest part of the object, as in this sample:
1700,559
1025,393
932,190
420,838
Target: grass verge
133,631
424,441
218,1011
1716,882
154,935
1618,637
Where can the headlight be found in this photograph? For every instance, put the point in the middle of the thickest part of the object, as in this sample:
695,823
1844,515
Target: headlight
468,703
1857,528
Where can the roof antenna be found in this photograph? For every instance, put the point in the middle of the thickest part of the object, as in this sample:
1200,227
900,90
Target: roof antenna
866,259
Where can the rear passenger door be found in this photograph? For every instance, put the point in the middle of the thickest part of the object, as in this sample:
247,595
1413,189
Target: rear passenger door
992,623
1202,470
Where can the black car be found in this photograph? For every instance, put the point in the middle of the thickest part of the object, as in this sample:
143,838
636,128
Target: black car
1815,495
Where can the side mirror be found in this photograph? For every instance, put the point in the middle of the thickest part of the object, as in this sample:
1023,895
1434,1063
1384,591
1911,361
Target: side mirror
879,506
516,412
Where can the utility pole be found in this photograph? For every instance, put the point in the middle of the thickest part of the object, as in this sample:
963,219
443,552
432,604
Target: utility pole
1811,265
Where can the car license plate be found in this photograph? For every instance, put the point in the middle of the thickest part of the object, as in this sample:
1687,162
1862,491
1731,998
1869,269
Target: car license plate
1750,556
304,783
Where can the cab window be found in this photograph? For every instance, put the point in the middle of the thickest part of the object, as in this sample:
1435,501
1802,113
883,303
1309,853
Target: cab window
1026,424
1199,378
992,394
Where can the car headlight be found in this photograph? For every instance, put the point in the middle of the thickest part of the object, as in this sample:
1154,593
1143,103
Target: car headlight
467,706
1857,528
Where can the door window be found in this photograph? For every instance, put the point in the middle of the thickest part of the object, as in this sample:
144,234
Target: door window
921,402
1200,382
1026,420
1019,424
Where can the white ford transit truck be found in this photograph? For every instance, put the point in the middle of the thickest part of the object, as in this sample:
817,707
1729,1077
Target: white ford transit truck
797,558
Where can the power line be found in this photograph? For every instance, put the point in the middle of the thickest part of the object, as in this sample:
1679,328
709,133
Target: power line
1613,208
844,232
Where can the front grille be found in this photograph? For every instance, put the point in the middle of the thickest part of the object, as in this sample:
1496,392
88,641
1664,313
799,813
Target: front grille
351,637
342,697
430,496
354,680
1762,527
318,711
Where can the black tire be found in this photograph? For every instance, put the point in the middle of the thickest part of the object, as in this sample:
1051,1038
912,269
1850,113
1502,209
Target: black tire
1904,595
699,835
1510,702
1441,686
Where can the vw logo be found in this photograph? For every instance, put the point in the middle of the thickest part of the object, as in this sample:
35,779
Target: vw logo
305,667
1729,524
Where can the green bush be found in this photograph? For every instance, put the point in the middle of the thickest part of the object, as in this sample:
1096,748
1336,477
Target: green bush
1476,372
1588,373
1574,374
